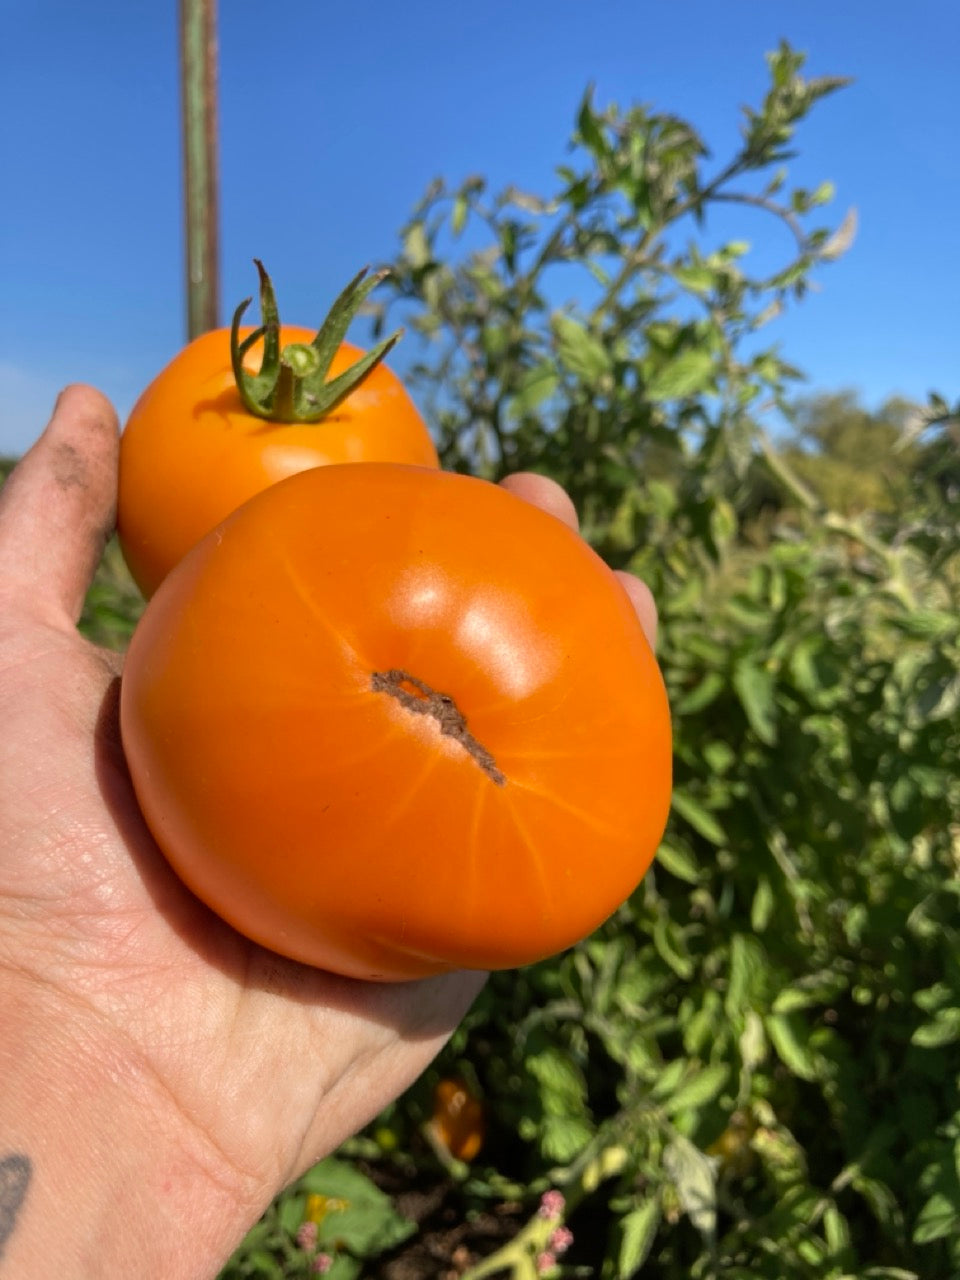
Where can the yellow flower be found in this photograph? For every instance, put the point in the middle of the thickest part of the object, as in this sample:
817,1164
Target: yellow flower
318,1206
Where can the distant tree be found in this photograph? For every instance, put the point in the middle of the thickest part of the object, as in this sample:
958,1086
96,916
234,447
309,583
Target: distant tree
853,459
939,454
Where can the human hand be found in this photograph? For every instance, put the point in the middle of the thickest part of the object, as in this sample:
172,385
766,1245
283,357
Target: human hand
163,1077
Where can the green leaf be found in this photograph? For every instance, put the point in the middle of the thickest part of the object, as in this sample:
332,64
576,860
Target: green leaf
701,1028
368,1223
821,988
589,128
764,903
536,386
699,818
804,667
753,1041
719,757
938,1218
679,861
723,523
458,216
748,614
692,1174
755,687
701,695
813,1252
258,1235
671,946
697,278
699,1089
494,340
564,1088
345,1267
416,247
878,1196
262,1264
855,923
943,1028
290,1213
669,1079
940,699
564,1137
747,978
638,1230
789,1036
836,1230
889,1273
509,244
662,498
783,1158
579,351
690,373
930,999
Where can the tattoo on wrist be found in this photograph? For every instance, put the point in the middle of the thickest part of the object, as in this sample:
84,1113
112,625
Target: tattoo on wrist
15,1172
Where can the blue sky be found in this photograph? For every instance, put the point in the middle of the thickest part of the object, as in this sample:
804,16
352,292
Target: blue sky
334,119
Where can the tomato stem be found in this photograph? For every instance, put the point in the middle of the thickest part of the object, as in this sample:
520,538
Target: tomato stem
291,385
297,361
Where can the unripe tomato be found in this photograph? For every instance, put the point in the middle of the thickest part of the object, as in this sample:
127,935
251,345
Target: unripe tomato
191,452
392,721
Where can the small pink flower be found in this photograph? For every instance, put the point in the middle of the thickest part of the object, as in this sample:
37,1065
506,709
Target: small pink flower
321,1264
551,1205
560,1240
545,1262
307,1236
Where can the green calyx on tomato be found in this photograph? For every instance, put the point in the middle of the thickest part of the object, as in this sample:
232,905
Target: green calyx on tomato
291,385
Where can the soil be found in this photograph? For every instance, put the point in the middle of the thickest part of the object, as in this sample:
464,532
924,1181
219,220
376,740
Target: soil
449,1240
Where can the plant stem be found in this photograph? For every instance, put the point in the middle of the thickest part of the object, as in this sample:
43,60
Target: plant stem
519,1254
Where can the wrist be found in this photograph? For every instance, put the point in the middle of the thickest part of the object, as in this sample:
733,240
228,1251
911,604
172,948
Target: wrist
116,1181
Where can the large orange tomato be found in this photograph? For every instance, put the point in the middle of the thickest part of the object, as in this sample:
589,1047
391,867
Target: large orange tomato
392,721
194,449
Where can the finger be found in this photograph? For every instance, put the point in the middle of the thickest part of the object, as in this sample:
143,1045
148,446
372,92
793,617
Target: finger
644,603
543,493
57,509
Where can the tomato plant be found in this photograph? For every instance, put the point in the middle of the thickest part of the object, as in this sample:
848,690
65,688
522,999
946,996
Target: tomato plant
210,432
392,721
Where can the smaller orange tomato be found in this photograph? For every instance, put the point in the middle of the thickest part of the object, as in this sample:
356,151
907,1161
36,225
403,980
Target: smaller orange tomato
197,445
734,1147
458,1119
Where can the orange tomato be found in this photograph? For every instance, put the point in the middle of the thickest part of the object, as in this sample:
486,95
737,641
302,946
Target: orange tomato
734,1147
458,1120
191,452
392,721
